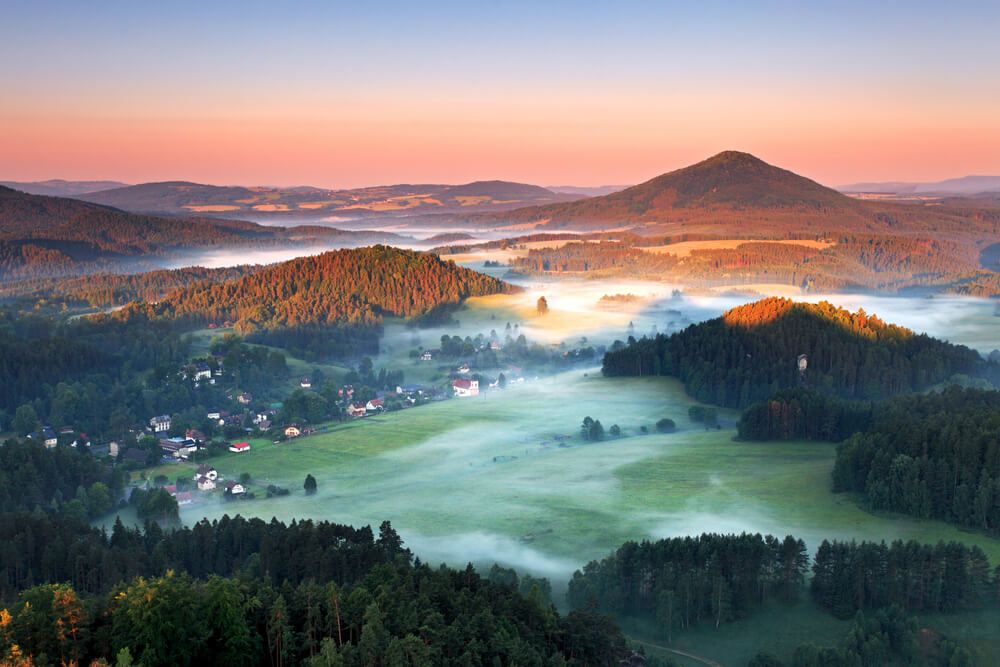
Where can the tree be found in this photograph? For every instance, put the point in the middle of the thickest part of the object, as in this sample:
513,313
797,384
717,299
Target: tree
309,485
665,425
615,431
542,305
25,420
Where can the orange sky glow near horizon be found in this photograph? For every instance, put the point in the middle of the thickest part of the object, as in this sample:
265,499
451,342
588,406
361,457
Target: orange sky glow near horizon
345,97
574,142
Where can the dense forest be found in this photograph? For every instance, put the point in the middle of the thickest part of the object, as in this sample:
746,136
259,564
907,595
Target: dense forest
247,592
83,372
804,414
683,581
932,456
848,576
357,286
753,351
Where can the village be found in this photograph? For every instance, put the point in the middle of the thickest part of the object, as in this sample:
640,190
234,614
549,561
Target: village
194,455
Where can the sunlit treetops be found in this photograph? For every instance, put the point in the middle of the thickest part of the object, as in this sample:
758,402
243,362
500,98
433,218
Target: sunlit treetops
356,286
770,309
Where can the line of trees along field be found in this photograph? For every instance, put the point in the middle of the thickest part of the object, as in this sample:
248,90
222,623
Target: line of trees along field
683,581
751,352
933,456
679,582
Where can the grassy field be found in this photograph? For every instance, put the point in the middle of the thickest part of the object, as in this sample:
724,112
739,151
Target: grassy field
780,627
505,477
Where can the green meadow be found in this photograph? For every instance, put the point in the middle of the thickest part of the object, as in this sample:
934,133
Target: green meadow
506,477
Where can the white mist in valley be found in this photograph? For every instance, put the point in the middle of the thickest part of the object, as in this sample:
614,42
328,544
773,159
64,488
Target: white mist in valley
505,478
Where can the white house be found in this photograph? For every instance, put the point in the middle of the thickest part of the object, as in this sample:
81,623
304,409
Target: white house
465,387
160,423
208,472
205,484
214,415
239,447
305,383
234,488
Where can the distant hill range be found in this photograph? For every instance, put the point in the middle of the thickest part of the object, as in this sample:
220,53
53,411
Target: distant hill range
964,186
59,188
585,191
737,195
43,236
308,203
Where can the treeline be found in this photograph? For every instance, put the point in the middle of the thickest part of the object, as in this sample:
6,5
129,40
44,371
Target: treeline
932,456
683,581
603,256
256,593
356,286
752,351
946,577
678,582
804,414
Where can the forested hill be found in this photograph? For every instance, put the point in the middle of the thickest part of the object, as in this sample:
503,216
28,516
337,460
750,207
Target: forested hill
752,351
356,286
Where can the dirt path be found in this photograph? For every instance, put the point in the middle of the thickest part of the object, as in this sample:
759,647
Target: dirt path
697,658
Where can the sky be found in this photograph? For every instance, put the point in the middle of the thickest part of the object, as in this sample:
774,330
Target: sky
555,93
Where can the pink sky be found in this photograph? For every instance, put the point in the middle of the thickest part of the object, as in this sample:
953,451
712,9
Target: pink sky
568,94
548,141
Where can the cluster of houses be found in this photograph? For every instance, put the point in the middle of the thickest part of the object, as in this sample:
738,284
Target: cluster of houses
207,478
405,394
67,435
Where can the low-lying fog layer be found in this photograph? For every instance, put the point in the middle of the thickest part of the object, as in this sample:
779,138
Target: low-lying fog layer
504,477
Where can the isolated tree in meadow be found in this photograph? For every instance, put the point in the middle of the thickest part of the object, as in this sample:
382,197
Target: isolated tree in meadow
665,425
615,431
309,485
542,305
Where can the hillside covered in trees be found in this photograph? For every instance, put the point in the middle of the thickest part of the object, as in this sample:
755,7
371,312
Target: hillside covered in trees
344,287
752,351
